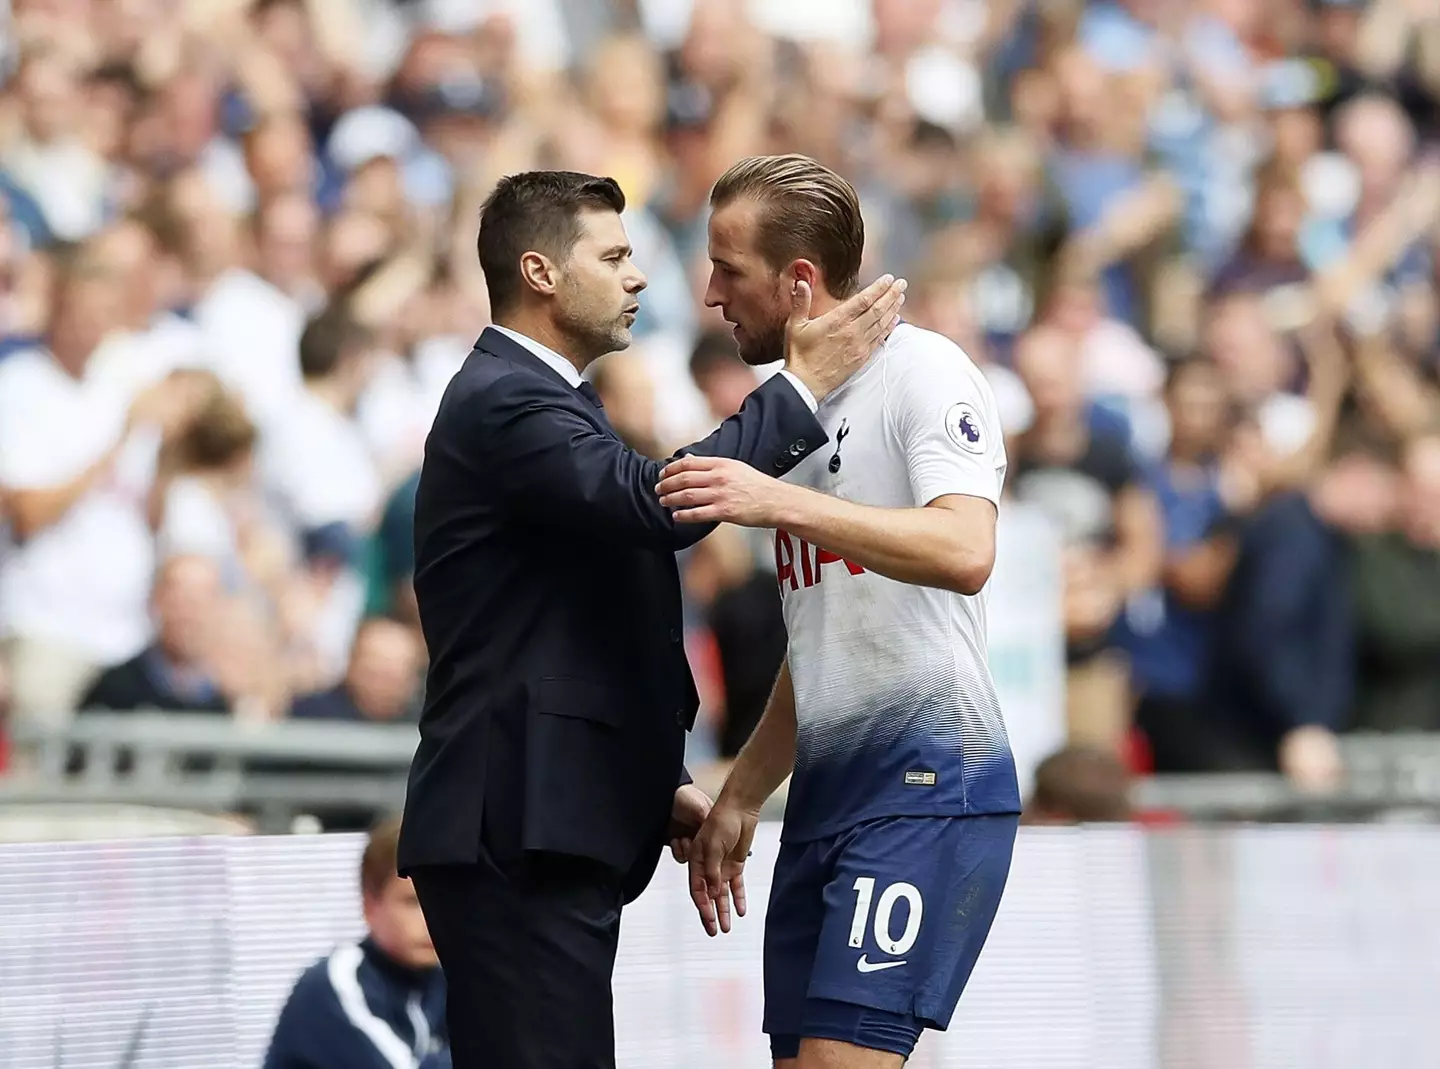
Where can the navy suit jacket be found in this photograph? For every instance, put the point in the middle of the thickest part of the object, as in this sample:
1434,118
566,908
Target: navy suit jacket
558,693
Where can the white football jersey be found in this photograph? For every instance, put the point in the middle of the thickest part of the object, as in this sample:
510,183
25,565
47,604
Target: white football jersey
897,713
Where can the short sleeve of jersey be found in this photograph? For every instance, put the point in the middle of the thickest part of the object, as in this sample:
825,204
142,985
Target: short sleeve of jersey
944,414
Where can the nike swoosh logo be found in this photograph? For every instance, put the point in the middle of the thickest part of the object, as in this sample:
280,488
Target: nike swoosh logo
876,966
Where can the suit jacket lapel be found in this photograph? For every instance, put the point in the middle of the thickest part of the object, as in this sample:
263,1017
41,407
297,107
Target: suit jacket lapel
498,345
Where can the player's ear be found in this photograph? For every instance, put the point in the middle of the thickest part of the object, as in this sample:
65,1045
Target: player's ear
804,271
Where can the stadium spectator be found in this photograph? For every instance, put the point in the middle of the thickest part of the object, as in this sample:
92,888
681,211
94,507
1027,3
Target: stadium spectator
50,160
392,586
321,606
1283,678
719,374
628,393
942,299
1203,495
148,342
381,684
1261,368
1269,257
176,672
1079,785
1107,209
77,466
252,319
1082,473
1396,598
1117,369
376,1004
737,606
1009,191
315,464
209,502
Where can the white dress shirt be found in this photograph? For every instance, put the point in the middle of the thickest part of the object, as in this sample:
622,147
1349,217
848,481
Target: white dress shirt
550,357
567,371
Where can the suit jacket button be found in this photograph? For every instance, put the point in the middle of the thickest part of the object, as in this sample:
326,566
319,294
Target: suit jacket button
674,635
780,464
800,445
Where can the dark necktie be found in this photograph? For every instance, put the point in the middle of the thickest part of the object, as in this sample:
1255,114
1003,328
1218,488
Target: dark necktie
588,391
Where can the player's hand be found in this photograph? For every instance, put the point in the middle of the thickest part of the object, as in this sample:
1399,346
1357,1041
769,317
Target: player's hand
825,351
717,865
692,806
720,490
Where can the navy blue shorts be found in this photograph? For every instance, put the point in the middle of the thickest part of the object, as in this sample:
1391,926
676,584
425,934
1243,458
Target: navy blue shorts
871,935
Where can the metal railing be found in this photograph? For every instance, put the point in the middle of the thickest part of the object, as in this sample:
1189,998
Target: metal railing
277,772
272,772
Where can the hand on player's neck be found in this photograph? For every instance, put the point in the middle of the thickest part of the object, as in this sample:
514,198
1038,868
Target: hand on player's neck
821,302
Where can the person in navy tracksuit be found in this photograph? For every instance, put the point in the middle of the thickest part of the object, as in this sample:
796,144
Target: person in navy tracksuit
376,1004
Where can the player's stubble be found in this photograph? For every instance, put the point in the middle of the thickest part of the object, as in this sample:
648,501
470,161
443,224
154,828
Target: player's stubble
765,346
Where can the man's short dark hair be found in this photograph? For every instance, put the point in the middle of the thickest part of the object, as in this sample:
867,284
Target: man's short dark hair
714,352
536,211
328,339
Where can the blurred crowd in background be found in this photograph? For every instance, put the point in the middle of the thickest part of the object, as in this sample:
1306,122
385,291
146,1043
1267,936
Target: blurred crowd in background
1192,243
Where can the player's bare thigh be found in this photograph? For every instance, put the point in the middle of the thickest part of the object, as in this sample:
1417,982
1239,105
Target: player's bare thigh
832,1054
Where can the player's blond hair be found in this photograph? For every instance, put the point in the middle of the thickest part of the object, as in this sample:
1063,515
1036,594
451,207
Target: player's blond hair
809,212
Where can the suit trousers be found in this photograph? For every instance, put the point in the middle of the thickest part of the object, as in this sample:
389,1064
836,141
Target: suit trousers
528,949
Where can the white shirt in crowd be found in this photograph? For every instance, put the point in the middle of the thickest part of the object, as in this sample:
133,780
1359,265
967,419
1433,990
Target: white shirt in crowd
196,522
399,405
85,580
316,465
317,470
131,361
68,181
251,336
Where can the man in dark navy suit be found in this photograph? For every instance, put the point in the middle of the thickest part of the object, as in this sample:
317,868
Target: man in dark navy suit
549,774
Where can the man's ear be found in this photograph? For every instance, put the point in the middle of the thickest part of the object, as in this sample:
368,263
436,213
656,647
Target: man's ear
804,271
538,272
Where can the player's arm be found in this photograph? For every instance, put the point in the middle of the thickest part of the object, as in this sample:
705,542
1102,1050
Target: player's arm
768,756
949,544
718,852
955,461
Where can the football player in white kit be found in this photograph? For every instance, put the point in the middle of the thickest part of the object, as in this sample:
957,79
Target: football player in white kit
904,803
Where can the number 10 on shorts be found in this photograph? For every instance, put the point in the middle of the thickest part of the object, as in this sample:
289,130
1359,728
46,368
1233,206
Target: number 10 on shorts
864,895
